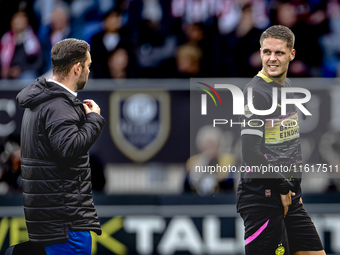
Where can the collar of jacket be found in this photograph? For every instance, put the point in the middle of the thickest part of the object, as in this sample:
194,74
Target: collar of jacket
56,90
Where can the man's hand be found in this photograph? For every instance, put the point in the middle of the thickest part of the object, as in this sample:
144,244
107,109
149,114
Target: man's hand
286,201
91,106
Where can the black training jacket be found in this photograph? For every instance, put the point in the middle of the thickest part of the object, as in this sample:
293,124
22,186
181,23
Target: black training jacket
56,135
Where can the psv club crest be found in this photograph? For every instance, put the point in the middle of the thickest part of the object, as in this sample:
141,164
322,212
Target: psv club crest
139,122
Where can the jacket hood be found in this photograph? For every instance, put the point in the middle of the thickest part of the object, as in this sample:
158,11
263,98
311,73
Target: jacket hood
40,91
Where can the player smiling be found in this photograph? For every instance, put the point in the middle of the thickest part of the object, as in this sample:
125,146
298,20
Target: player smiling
274,218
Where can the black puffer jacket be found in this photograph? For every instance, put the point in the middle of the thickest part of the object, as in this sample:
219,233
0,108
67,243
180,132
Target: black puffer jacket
55,138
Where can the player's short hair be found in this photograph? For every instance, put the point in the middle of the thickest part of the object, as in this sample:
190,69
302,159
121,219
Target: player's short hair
279,32
66,53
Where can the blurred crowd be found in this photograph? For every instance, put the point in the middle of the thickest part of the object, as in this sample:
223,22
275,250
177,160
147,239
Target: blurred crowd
168,38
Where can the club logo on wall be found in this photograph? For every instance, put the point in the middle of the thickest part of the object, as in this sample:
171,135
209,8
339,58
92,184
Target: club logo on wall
139,122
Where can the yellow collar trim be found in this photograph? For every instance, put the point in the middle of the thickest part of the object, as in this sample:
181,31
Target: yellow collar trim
260,74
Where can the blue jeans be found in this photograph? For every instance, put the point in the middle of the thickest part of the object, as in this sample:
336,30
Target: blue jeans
79,242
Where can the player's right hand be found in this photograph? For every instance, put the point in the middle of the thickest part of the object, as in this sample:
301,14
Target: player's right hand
91,106
286,202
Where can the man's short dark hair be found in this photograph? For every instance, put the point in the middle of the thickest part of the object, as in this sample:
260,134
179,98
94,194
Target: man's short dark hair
66,53
279,32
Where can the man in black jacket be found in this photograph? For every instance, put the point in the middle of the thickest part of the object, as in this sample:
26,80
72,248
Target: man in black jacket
57,132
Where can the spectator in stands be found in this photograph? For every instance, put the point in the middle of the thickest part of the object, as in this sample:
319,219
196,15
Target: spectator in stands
196,34
118,64
10,7
43,10
208,142
154,46
87,16
188,60
239,51
309,31
20,51
10,171
57,30
105,42
331,42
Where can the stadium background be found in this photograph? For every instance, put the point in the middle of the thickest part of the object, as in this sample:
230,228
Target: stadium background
144,53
